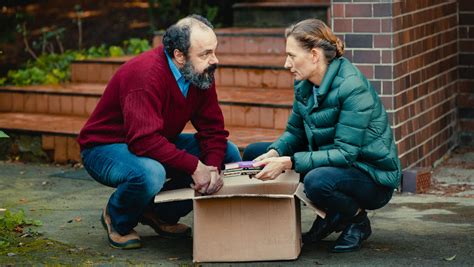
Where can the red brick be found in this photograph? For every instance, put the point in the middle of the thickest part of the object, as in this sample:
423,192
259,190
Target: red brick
241,77
358,10
255,78
386,25
367,25
386,56
6,101
18,102
226,77
342,25
266,118
338,10
270,78
47,142
367,70
285,80
382,41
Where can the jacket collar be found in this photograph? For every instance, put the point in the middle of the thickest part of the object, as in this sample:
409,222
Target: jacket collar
304,89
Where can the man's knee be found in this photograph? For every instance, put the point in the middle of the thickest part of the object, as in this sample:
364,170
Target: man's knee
150,178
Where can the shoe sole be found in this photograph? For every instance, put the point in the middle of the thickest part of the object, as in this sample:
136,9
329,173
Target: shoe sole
185,234
132,244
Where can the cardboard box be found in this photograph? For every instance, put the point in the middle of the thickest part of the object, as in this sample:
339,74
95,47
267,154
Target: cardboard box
247,220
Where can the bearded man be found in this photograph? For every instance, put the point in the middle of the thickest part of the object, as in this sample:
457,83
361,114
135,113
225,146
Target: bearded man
133,139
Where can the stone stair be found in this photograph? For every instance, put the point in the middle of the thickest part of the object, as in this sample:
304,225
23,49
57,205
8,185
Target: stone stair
254,90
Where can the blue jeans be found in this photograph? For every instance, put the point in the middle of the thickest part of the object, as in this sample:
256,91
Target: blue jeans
139,179
335,189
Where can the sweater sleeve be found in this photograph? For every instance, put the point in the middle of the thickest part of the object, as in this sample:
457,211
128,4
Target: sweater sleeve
143,123
211,134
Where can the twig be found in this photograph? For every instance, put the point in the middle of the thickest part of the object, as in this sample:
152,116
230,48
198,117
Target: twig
25,41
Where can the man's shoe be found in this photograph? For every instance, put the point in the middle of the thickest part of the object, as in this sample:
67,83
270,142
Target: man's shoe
352,237
172,231
322,228
129,241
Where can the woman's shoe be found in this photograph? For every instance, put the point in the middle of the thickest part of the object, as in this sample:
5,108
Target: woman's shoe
322,228
352,237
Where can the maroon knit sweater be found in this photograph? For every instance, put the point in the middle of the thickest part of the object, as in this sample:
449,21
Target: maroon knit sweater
143,106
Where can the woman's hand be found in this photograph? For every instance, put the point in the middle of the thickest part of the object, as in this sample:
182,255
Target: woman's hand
274,166
272,153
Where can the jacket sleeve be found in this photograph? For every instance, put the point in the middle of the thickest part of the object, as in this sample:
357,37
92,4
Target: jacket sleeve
211,134
294,138
143,123
356,110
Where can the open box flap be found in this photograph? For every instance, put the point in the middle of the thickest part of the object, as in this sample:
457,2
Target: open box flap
302,196
175,195
244,195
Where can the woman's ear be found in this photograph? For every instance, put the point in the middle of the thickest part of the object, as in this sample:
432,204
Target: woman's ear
315,55
179,57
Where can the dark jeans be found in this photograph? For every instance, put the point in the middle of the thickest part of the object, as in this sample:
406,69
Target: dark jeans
335,189
139,179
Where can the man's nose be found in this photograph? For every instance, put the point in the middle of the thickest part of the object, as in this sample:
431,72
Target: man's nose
213,60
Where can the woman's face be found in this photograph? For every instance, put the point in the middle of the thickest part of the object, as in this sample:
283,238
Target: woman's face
299,61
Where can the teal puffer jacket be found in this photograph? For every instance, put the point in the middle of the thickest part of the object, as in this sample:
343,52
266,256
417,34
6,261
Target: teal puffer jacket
342,123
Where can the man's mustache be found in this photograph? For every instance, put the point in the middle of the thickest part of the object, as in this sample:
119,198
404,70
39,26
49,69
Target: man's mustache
211,69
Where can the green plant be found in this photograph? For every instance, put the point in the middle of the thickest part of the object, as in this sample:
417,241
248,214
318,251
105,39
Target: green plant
12,222
3,135
135,46
52,68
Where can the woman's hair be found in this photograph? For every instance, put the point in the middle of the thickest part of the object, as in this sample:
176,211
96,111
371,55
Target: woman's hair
313,33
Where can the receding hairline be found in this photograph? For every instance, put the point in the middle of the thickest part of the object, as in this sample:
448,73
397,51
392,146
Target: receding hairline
191,23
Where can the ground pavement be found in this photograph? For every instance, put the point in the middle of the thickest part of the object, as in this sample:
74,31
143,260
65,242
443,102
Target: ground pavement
433,229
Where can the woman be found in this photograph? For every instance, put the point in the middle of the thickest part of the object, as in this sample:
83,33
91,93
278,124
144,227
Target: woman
338,136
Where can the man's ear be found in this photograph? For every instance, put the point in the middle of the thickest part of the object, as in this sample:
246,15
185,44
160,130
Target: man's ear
179,57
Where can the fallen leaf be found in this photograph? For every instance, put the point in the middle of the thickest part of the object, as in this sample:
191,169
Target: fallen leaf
450,258
77,219
23,200
18,229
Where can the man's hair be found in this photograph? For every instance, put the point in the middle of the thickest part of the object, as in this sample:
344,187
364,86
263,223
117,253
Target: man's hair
177,35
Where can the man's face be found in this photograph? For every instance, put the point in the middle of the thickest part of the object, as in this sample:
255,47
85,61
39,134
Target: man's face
201,61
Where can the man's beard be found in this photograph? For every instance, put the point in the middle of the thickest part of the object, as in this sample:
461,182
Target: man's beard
202,80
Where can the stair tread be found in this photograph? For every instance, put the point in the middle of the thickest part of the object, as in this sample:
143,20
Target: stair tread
276,97
226,94
71,125
271,61
66,88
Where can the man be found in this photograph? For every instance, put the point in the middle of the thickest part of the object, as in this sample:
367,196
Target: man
133,139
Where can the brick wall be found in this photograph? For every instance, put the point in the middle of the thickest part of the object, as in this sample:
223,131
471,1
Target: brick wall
466,71
408,50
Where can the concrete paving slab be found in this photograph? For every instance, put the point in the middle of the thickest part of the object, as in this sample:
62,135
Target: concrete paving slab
412,230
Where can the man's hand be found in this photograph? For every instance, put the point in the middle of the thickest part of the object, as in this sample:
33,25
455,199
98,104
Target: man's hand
202,177
216,182
272,153
273,167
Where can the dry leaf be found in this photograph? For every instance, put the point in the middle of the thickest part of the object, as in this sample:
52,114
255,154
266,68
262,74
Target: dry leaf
450,258
77,219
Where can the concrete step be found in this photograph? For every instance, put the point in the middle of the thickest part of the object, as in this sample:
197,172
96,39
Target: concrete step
265,108
245,41
58,132
234,70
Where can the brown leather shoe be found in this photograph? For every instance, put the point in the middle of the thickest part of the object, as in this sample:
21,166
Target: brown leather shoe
129,241
172,231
